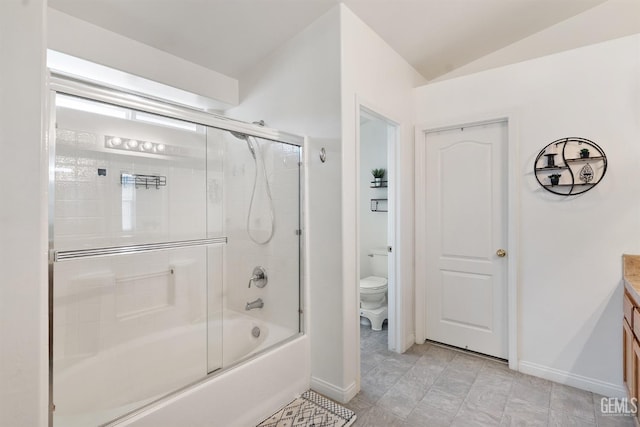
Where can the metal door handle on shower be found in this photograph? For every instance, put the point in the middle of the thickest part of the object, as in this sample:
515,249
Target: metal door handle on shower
259,277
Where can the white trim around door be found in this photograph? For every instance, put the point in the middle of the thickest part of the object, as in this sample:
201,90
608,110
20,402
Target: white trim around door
513,178
395,294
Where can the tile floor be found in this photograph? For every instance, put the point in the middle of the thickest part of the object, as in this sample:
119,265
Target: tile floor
431,385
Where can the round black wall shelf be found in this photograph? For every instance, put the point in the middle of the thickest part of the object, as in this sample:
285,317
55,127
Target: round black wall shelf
570,166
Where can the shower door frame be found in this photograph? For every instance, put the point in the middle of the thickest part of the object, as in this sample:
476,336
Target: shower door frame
70,85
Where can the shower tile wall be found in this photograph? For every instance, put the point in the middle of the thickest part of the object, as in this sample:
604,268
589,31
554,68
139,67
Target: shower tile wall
94,211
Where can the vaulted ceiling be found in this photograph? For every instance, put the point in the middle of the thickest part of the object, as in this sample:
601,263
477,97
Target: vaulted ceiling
230,36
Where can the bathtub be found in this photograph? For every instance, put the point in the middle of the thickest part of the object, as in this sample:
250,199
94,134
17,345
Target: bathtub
132,368
239,342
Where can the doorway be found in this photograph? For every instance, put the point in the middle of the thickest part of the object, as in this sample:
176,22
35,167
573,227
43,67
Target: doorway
376,229
464,225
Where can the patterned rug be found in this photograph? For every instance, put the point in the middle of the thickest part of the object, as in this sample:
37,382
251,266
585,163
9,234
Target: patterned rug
311,410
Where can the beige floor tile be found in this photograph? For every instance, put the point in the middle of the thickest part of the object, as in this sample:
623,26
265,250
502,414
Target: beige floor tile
402,397
572,401
434,386
427,416
563,419
378,417
469,416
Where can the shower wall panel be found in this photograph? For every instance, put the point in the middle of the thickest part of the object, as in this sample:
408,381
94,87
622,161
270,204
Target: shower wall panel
127,329
280,256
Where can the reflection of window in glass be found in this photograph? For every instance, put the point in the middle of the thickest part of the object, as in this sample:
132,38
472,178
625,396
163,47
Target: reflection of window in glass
165,121
128,207
96,107
74,103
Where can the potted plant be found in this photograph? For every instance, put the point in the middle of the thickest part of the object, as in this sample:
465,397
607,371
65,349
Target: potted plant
378,174
555,178
584,153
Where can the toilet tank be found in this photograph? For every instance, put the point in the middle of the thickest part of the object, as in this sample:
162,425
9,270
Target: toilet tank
378,259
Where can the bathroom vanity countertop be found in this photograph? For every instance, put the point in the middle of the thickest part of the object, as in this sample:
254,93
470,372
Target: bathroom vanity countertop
631,271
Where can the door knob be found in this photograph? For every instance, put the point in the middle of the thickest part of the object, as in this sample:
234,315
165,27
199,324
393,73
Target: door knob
501,253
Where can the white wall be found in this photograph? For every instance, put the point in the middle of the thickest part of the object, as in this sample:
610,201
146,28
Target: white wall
310,86
81,39
375,75
23,245
297,89
569,268
373,225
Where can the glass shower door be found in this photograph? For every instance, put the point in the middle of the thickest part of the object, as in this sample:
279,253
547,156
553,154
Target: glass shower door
135,269
158,228
261,218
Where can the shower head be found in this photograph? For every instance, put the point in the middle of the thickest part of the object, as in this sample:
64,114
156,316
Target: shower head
245,137
239,135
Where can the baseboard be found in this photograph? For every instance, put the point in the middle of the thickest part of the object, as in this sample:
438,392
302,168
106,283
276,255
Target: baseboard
573,380
409,340
340,395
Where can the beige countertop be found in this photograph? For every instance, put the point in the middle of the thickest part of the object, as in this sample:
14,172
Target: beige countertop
631,273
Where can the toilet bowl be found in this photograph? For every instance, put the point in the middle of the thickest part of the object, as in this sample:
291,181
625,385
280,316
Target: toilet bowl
373,290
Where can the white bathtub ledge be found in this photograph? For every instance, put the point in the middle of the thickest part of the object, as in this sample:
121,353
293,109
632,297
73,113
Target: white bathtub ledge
240,397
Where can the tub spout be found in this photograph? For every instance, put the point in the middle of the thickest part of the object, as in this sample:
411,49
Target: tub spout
254,304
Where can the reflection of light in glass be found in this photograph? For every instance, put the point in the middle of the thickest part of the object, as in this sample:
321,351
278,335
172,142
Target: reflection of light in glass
63,170
126,144
65,101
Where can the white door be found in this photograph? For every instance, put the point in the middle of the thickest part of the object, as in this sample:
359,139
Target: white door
466,232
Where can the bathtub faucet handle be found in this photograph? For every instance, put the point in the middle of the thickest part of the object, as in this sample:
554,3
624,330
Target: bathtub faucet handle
259,277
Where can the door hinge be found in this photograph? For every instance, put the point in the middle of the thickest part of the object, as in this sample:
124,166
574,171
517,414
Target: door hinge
389,249
298,232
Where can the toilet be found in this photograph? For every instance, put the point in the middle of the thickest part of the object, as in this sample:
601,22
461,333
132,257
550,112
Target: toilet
373,290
